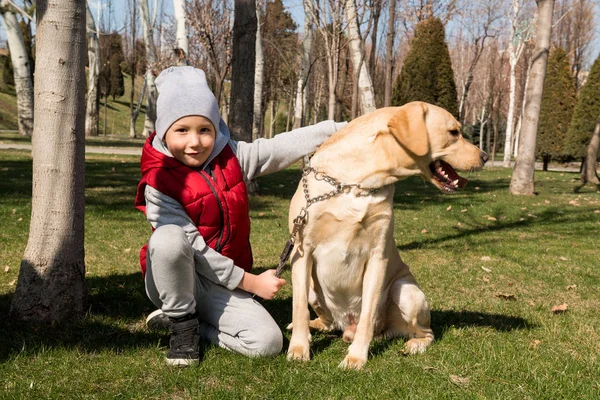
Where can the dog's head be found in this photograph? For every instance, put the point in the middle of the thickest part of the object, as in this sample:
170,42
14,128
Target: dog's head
433,139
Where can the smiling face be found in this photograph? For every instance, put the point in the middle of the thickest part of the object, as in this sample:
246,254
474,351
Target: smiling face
191,139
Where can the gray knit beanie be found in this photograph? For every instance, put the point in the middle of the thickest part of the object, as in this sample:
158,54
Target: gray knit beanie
183,91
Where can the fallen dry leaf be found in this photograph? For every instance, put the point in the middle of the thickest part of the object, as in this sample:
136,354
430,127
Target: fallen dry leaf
505,296
562,258
459,380
492,219
486,258
459,225
12,282
546,201
523,208
486,269
424,231
596,211
464,210
14,210
449,208
477,188
6,268
261,214
535,343
486,279
574,202
560,308
571,287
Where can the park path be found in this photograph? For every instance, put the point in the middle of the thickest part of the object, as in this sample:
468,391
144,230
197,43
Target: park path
138,151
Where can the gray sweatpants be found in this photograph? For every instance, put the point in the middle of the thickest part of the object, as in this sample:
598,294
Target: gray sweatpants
231,319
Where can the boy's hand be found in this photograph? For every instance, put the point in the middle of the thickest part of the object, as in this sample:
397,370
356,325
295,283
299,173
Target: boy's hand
265,285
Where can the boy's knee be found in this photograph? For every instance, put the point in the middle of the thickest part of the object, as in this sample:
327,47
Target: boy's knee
169,241
269,342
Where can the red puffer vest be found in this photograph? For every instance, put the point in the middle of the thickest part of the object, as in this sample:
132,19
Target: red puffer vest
217,204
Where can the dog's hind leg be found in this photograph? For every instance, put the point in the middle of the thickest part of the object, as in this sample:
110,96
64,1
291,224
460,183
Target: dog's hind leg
408,315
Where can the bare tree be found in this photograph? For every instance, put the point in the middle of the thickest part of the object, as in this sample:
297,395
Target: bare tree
258,76
307,45
522,181
51,285
389,48
21,67
242,69
93,94
363,83
151,59
210,38
520,33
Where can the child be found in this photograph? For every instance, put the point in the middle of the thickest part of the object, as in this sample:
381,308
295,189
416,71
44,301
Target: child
198,260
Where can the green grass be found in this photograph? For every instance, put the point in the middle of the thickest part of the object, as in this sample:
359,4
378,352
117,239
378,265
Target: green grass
543,251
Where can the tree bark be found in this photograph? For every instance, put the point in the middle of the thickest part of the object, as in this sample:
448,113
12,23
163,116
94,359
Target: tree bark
180,13
365,85
389,47
258,79
242,70
147,29
92,108
522,182
307,43
588,171
21,68
51,285
133,114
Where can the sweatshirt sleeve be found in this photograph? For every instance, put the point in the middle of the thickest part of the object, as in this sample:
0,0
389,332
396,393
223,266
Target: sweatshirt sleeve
164,210
265,156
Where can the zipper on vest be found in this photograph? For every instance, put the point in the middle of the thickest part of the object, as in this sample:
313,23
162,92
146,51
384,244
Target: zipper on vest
219,245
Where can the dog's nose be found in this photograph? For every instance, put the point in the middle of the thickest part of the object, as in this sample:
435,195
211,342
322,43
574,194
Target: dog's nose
484,157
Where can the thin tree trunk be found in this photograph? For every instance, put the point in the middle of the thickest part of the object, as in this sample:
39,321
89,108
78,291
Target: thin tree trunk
51,285
147,29
242,70
21,68
510,119
307,43
520,121
588,172
522,182
132,113
258,78
482,122
365,85
273,116
92,108
376,9
389,46
180,14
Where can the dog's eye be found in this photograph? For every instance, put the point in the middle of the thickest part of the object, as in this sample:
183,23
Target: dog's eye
455,132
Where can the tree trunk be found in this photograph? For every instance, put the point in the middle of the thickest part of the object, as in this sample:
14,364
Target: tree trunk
389,47
180,14
365,85
258,79
147,29
482,122
522,182
92,108
21,69
376,10
51,285
242,70
588,171
133,114
510,119
307,43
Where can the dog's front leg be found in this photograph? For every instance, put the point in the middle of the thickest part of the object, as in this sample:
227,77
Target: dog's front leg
301,271
371,297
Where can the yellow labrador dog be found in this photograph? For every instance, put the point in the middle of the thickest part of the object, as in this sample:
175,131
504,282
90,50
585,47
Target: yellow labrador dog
345,263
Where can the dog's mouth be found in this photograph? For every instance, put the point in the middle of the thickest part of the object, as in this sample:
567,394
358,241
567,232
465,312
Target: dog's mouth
445,177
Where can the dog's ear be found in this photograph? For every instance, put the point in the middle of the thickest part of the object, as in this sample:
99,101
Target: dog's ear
408,126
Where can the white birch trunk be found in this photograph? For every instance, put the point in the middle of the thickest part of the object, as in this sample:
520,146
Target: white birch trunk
21,68
522,181
365,85
147,29
180,13
258,77
93,94
482,122
510,118
51,285
307,42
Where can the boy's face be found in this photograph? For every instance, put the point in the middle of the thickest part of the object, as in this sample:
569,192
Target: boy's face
191,140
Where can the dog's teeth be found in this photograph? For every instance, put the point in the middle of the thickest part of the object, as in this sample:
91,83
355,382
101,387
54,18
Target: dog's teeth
455,183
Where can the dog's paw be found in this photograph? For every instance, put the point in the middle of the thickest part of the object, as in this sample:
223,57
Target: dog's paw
298,352
351,362
416,345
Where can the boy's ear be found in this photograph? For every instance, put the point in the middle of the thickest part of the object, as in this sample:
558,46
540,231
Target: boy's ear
408,126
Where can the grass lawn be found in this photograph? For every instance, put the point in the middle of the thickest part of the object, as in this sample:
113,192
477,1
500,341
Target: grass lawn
491,265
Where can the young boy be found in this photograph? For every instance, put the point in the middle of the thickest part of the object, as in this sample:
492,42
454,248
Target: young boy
198,260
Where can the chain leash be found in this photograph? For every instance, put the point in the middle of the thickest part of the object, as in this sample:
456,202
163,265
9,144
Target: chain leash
302,219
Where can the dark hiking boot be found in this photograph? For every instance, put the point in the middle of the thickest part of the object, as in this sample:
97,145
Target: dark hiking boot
184,345
157,320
